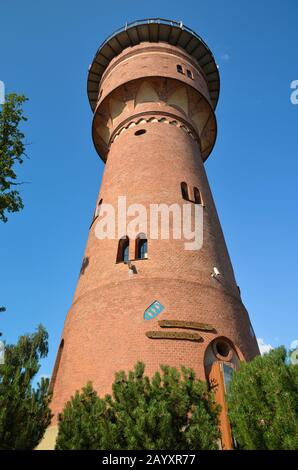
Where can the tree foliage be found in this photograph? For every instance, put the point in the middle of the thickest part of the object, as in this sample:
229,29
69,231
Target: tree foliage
12,151
24,410
263,403
172,410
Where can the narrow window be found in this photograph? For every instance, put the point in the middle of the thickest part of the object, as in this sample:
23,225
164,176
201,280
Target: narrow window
141,247
140,132
189,73
197,196
126,252
84,265
184,191
97,210
123,250
179,68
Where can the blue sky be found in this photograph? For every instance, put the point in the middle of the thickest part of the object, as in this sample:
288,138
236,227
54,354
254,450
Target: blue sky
46,48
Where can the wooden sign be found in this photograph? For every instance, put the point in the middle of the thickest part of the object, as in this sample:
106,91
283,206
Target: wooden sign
173,335
192,325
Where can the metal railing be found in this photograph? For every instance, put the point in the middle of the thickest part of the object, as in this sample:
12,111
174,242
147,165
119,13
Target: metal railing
161,21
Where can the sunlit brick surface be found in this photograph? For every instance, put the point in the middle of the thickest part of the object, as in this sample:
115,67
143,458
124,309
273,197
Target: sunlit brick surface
105,327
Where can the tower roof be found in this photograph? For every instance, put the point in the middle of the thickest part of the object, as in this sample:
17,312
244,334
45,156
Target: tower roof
153,30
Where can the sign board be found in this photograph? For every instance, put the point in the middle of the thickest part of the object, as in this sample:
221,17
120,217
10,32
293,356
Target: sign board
173,335
153,310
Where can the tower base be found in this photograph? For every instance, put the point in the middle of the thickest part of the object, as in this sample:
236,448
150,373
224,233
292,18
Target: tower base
48,441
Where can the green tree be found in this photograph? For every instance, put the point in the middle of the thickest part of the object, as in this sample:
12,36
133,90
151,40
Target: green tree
24,410
12,151
172,410
263,403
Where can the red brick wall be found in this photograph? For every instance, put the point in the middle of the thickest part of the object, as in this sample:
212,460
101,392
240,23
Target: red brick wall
105,327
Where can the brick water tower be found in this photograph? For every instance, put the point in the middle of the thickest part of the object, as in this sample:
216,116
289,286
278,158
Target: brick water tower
153,87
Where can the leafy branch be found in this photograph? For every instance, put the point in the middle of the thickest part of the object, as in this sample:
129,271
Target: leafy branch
12,151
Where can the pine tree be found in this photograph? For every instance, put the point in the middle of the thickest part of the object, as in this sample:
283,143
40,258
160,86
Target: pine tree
172,410
24,410
263,403
85,422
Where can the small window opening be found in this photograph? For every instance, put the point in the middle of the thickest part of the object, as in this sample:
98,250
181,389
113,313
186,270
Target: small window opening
223,348
141,247
179,68
140,132
123,250
97,210
184,191
197,196
189,73
84,266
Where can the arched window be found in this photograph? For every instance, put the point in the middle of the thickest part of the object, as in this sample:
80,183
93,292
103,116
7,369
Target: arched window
141,247
184,191
123,250
189,73
179,68
197,196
